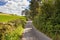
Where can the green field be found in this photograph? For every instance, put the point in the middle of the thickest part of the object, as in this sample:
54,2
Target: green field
6,18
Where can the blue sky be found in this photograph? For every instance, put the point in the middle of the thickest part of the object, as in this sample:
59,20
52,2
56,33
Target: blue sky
13,6
2,3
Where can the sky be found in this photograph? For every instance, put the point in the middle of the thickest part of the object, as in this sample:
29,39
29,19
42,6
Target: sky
13,6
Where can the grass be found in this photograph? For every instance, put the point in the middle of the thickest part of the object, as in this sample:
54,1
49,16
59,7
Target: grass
12,33
6,18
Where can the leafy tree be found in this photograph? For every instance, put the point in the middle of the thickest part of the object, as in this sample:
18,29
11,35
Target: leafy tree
48,19
33,7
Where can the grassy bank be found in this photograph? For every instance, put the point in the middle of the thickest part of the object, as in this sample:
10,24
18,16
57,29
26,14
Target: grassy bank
11,26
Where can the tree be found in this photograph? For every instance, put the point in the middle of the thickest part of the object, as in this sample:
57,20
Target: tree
27,13
33,8
48,21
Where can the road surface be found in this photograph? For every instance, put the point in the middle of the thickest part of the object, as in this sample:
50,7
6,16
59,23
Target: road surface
30,33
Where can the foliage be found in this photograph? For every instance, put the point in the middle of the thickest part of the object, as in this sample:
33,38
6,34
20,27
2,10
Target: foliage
48,19
33,8
11,29
14,35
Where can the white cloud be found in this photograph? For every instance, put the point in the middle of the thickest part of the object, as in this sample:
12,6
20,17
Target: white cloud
14,6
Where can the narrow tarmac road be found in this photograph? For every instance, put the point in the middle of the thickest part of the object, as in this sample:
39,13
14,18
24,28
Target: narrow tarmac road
29,33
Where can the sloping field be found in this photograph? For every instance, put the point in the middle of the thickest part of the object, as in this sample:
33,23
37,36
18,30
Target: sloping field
9,17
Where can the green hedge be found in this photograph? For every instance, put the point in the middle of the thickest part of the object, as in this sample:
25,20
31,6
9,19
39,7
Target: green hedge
48,20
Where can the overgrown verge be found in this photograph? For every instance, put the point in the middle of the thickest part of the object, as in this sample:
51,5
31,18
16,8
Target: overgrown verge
12,30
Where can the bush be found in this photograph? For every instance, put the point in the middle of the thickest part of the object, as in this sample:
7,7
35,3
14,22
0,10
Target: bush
12,30
48,20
